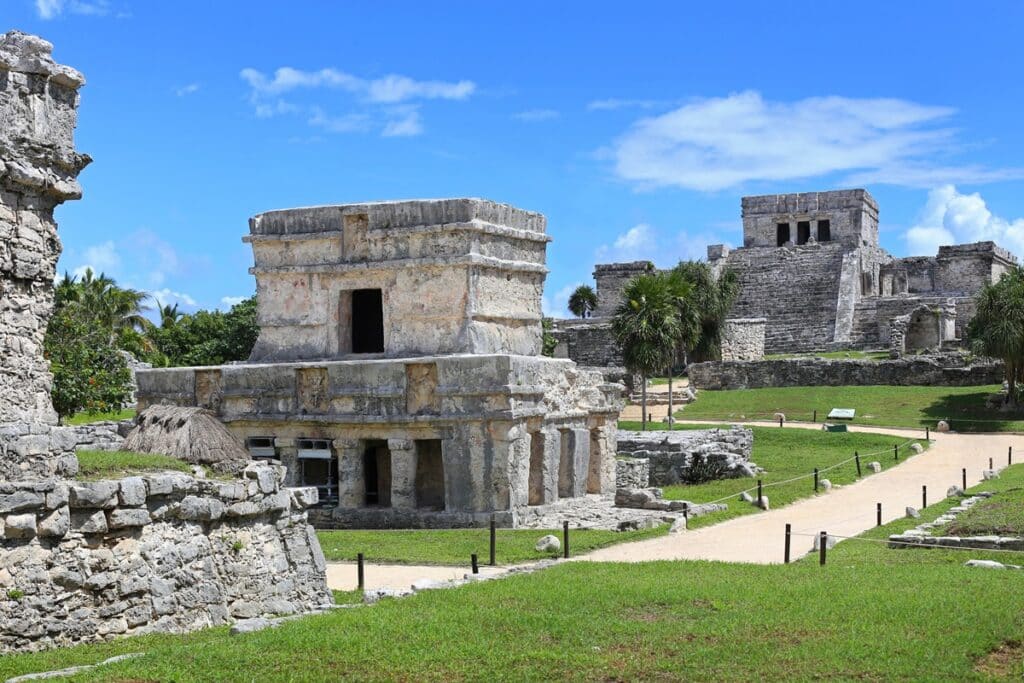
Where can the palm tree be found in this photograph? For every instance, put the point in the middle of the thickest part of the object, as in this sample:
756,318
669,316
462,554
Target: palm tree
113,307
997,328
583,301
169,315
646,327
685,299
712,298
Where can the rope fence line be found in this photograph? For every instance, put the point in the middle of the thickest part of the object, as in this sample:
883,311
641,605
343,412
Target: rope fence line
789,418
802,476
907,543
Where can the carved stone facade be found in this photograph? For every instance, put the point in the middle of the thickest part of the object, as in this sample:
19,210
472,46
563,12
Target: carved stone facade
38,167
398,368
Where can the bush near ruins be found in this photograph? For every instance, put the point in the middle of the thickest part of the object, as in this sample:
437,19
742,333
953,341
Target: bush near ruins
204,337
997,329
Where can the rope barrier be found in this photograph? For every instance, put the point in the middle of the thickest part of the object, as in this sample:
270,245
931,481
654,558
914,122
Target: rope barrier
910,543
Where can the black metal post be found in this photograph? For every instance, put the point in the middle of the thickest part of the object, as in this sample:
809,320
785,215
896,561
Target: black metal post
494,534
815,418
963,477
990,464
360,573
856,456
474,564
785,553
924,497
780,420
686,513
565,539
822,543
1009,456
895,452
878,514
759,495
927,434
815,479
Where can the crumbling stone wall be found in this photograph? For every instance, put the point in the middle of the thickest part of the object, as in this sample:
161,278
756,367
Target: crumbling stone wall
743,339
85,561
38,167
670,453
946,370
611,279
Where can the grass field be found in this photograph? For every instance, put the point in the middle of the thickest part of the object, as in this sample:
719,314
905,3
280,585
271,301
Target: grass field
788,453
88,418
454,546
1001,515
963,407
113,464
871,613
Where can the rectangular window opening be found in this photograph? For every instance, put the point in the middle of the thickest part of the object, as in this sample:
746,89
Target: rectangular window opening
429,475
803,232
824,231
318,467
367,321
565,472
261,447
781,233
377,473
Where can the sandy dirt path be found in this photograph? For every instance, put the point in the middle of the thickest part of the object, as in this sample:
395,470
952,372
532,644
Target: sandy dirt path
342,576
847,511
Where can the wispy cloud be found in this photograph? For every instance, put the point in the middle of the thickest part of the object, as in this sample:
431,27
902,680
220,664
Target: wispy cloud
950,217
390,105
536,115
644,242
557,305
718,143
229,301
51,9
185,90
615,103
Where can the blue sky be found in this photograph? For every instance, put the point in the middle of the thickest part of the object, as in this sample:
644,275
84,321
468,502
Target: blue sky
635,128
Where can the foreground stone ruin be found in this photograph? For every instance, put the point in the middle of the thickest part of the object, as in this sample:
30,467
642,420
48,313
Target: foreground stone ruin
398,368
83,561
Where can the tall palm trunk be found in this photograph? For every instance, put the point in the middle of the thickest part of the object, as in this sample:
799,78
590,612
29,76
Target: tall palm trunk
670,398
643,403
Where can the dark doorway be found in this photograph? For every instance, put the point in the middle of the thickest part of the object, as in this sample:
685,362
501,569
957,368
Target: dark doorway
318,467
595,465
565,469
429,475
367,321
377,473
824,231
803,232
781,233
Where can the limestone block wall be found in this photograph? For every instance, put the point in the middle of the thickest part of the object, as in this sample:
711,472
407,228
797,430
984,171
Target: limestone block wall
743,338
852,214
632,473
38,167
454,275
798,372
670,453
587,342
611,279
85,561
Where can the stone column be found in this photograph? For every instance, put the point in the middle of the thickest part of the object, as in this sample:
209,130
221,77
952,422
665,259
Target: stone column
351,479
38,170
288,454
403,473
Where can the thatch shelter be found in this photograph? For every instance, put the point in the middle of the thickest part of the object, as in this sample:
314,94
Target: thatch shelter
194,435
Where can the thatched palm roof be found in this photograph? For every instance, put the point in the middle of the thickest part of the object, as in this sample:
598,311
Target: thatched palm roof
194,435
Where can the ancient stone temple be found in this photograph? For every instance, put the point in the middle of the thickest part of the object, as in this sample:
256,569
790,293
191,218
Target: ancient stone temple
38,167
814,278
398,368
84,561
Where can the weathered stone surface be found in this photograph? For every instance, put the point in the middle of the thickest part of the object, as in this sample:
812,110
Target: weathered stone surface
875,466
548,544
94,494
670,453
20,526
632,473
126,517
132,491
912,512
57,523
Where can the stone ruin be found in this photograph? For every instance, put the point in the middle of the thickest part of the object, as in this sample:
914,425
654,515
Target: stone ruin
83,561
398,369
813,277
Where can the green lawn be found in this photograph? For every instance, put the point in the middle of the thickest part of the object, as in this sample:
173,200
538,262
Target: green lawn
787,453
85,418
963,407
870,613
1001,515
113,464
454,546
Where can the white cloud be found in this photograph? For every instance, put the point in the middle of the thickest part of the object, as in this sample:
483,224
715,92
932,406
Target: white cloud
718,143
950,217
229,301
535,115
408,125
100,258
636,244
51,9
643,242
187,89
374,99
168,297
557,304
613,103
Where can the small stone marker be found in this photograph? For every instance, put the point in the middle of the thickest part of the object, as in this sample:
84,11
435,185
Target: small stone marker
989,474
830,542
912,512
916,447
780,417
548,544
764,503
954,491
943,426
678,526
986,564
746,497
875,466
825,484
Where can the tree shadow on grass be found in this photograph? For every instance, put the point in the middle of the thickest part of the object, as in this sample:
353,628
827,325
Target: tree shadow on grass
969,413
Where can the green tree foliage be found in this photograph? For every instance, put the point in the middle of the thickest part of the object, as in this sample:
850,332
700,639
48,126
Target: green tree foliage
997,329
89,372
548,340
709,304
647,328
206,337
583,301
